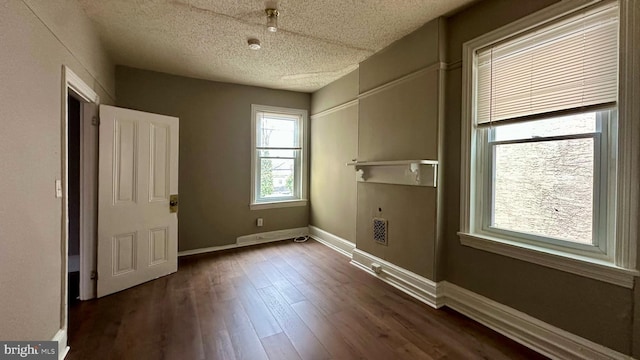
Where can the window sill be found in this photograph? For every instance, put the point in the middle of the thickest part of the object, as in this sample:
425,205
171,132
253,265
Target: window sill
278,204
594,269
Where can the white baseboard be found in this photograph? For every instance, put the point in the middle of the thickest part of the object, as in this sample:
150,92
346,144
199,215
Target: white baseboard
335,242
271,236
61,338
406,281
535,334
525,329
253,239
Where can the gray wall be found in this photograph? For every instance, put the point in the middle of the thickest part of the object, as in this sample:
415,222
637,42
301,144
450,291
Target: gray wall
334,142
400,121
592,309
215,152
413,52
337,93
598,311
31,244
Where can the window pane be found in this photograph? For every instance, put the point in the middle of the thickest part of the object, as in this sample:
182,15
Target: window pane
277,131
566,125
277,178
545,188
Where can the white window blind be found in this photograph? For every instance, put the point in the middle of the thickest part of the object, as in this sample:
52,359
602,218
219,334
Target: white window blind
569,64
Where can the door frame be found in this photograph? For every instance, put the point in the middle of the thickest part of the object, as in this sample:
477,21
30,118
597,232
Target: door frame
71,83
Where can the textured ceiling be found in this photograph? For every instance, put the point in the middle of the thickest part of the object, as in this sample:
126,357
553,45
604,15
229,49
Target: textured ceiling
318,41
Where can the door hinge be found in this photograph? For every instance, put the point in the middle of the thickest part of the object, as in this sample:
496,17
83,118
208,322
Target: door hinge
94,275
95,121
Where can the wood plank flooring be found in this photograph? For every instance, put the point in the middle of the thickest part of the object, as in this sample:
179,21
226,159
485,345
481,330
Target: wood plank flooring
279,301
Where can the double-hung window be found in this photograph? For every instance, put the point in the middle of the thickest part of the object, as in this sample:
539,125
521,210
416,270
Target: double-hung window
540,140
278,157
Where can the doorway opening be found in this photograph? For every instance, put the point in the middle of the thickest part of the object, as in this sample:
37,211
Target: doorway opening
79,197
73,193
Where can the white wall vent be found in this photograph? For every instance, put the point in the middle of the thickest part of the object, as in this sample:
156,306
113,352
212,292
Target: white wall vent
380,229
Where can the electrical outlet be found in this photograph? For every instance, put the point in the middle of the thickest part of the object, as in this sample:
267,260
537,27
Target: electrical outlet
259,222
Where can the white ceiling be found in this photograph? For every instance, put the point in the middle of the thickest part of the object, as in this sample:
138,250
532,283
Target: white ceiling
318,41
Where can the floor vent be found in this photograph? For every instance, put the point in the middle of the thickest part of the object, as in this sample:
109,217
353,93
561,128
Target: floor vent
380,229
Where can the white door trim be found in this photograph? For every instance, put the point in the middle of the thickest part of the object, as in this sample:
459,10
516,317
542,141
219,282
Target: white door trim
73,82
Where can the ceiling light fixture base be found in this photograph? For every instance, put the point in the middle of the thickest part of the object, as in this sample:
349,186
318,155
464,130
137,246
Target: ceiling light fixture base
254,44
272,19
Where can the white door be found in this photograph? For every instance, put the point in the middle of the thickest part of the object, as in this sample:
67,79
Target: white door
138,174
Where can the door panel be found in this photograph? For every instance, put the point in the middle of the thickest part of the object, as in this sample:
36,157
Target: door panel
158,245
138,171
124,253
124,165
160,155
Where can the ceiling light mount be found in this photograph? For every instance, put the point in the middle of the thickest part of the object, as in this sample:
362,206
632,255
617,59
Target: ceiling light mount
254,44
272,19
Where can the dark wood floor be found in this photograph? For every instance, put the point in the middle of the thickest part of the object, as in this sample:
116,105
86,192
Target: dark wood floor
277,301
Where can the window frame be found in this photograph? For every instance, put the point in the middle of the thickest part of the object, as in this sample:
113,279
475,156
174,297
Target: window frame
300,162
618,266
603,173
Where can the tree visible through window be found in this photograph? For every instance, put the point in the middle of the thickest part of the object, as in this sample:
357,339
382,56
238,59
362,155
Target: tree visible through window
278,152
278,146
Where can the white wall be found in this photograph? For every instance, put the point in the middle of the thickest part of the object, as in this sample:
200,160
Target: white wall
36,39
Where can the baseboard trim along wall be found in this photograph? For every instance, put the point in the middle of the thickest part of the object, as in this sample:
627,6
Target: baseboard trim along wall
525,329
253,239
61,338
414,285
516,325
344,247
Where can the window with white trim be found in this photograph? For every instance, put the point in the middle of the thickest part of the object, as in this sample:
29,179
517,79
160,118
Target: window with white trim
540,137
278,163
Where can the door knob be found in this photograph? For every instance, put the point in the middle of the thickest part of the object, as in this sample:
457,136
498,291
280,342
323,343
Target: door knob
173,203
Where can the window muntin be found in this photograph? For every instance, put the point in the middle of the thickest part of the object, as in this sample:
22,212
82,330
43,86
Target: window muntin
543,135
556,126
278,155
